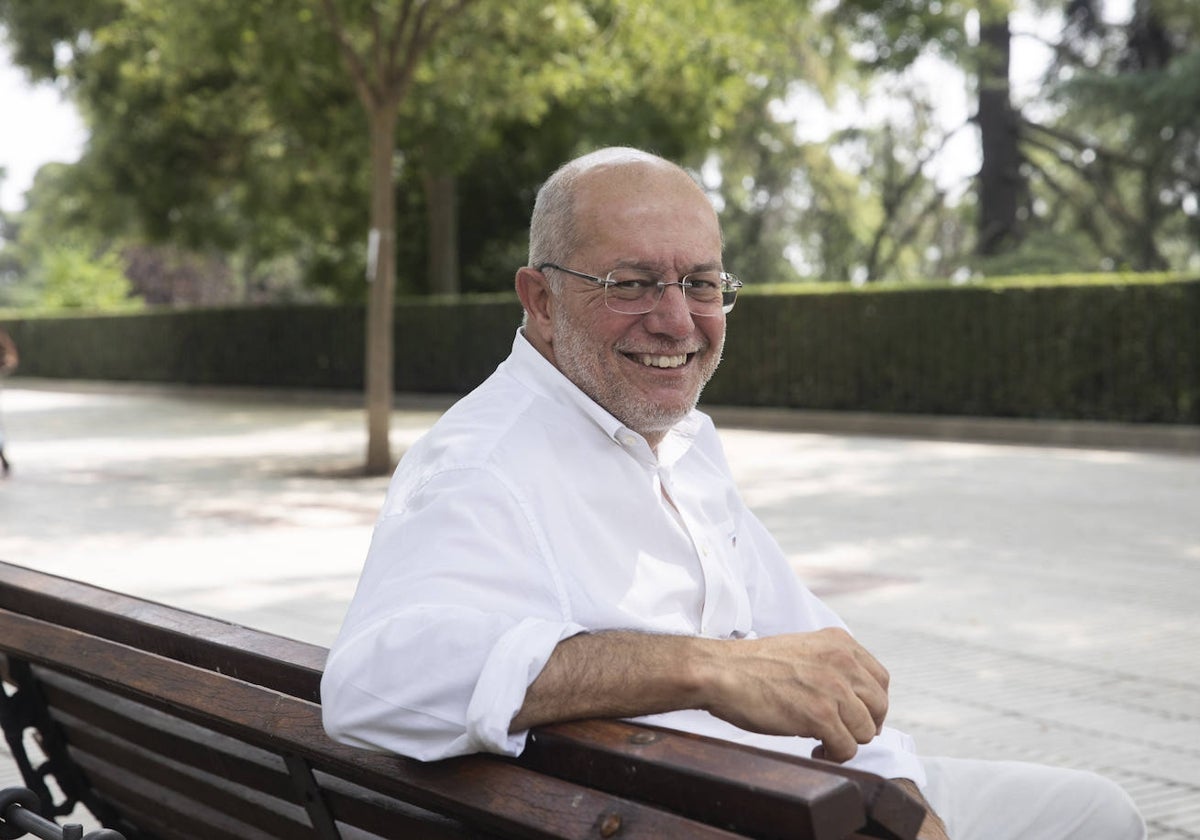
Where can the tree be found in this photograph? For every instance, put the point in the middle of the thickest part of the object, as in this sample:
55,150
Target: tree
381,50
226,124
1118,160
1003,194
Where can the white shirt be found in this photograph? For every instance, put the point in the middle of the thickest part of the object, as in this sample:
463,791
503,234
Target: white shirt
526,515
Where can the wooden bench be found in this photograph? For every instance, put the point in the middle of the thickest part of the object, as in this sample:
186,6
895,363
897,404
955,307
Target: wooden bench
168,724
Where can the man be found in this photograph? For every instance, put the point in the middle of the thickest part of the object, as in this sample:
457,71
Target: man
567,542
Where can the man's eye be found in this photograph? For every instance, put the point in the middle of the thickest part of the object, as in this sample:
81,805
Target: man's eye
704,284
631,284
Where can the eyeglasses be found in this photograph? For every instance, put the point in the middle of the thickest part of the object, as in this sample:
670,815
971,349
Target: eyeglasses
636,291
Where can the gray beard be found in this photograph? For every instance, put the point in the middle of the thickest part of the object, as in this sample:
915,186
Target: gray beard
572,357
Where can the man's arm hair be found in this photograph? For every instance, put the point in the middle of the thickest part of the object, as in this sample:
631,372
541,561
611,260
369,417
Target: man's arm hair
821,685
615,674
932,828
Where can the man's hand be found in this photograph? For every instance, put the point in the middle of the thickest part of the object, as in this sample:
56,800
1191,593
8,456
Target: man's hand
822,685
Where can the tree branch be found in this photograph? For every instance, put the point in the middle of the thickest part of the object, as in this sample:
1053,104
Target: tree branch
397,37
377,52
422,34
891,201
1085,211
1082,143
354,65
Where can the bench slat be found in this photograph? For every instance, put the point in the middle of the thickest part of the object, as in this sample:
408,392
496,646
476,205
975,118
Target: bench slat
483,790
99,723
163,813
379,816
631,761
891,814
190,786
91,713
574,778
250,655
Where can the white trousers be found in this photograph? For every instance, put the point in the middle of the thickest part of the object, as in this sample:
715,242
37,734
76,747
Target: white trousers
1011,800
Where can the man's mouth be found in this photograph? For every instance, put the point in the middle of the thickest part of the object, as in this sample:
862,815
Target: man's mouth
650,360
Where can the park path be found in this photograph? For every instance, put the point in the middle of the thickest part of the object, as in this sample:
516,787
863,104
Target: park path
1031,602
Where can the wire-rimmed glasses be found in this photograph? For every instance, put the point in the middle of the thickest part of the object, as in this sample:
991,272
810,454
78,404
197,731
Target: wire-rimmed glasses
636,291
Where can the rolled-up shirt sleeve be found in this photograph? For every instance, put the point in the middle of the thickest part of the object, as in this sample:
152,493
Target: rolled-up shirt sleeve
457,610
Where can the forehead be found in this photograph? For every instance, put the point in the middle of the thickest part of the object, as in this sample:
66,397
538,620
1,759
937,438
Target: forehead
646,212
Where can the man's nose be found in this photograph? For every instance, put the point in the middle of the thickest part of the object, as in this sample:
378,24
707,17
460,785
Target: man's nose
671,315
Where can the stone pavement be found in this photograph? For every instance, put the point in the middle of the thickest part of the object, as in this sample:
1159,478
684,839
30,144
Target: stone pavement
1031,602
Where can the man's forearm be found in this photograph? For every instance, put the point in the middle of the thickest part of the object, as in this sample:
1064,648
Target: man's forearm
616,674
820,685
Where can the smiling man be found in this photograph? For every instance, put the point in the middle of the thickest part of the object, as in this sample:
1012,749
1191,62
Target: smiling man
567,542
640,348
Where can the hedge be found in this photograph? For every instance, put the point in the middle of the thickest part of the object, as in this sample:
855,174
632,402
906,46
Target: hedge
1114,351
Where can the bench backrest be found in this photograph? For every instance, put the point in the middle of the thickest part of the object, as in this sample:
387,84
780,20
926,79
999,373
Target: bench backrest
168,724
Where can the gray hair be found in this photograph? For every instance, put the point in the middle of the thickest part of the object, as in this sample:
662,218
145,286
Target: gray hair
554,234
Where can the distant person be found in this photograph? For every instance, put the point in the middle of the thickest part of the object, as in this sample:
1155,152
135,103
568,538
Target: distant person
8,363
567,542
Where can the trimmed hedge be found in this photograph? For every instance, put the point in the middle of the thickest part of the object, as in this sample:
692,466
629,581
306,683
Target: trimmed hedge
440,346
1115,352
1108,351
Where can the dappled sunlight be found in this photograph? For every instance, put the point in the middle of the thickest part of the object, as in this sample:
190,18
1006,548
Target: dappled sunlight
1027,601
166,496
310,609
302,511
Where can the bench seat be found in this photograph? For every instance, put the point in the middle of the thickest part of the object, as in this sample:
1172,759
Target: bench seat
167,724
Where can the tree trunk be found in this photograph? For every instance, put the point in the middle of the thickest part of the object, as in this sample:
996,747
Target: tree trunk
1001,185
441,201
381,299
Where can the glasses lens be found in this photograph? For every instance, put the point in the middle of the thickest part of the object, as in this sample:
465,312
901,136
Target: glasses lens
631,291
636,291
704,290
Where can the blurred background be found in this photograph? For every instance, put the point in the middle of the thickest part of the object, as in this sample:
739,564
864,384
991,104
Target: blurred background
304,177
955,220
221,152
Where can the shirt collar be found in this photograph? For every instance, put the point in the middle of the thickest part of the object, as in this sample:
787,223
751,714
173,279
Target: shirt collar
538,373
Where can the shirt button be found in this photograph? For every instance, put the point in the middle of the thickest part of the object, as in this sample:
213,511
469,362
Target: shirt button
627,439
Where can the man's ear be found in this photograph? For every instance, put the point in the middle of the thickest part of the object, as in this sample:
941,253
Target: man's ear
534,291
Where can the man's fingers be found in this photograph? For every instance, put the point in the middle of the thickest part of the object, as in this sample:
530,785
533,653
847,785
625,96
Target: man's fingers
822,685
875,668
874,688
842,727
837,745
875,700
859,723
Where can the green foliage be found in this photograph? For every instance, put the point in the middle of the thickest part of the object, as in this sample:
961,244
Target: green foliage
1045,252
1075,349
893,33
73,277
37,29
1116,159
231,127
1070,347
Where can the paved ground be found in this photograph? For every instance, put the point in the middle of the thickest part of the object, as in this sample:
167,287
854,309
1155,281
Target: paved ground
1031,602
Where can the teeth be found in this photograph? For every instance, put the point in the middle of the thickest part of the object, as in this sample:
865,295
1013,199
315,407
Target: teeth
663,361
